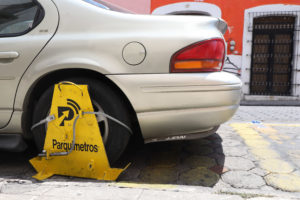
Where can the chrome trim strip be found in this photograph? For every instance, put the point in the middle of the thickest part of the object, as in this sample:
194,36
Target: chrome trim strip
184,137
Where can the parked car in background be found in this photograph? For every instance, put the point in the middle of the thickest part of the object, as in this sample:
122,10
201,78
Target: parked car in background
160,75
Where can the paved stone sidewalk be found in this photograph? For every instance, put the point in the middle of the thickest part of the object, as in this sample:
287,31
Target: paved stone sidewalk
82,189
253,156
96,191
283,114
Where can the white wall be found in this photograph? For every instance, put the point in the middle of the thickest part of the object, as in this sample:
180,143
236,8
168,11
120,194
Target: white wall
137,6
211,9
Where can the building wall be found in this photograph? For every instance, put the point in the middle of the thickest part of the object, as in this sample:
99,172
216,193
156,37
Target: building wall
137,6
237,13
232,13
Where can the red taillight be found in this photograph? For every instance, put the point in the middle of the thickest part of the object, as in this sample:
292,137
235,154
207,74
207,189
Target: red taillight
206,56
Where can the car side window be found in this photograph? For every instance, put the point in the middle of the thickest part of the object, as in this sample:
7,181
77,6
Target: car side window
18,17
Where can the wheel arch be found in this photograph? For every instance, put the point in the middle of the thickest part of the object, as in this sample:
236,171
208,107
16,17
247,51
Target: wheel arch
41,84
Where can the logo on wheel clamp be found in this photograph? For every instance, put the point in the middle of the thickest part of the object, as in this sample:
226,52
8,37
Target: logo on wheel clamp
66,113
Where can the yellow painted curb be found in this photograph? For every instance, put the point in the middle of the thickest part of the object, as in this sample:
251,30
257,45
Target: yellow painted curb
268,158
265,153
287,182
276,166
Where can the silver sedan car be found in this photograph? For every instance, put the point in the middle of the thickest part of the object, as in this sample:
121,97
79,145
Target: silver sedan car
160,75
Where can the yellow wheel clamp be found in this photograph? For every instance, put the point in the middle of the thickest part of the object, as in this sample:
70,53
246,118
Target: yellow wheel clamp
73,144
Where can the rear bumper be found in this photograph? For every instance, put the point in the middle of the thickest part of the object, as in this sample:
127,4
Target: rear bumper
180,104
183,122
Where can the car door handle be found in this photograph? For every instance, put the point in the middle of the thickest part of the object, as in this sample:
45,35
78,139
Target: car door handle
9,55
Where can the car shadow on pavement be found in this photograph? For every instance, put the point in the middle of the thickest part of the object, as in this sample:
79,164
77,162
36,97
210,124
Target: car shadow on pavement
196,162
15,165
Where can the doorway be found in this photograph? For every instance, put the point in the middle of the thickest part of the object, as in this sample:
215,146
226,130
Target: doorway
272,55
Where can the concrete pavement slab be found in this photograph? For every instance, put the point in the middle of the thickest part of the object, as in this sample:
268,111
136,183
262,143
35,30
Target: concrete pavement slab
166,195
243,179
196,161
238,163
17,197
199,176
235,151
161,175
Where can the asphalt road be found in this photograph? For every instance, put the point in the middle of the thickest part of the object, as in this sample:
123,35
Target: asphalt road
254,155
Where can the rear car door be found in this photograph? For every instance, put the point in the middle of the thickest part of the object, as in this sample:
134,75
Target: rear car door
25,28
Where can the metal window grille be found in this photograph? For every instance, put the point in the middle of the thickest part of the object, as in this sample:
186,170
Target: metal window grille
273,54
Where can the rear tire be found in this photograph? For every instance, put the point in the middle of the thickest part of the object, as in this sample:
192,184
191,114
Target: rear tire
110,102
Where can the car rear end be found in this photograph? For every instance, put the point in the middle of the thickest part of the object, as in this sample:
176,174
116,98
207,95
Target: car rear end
194,97
175,86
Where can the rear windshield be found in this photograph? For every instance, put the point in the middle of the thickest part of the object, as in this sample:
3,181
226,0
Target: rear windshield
107,6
